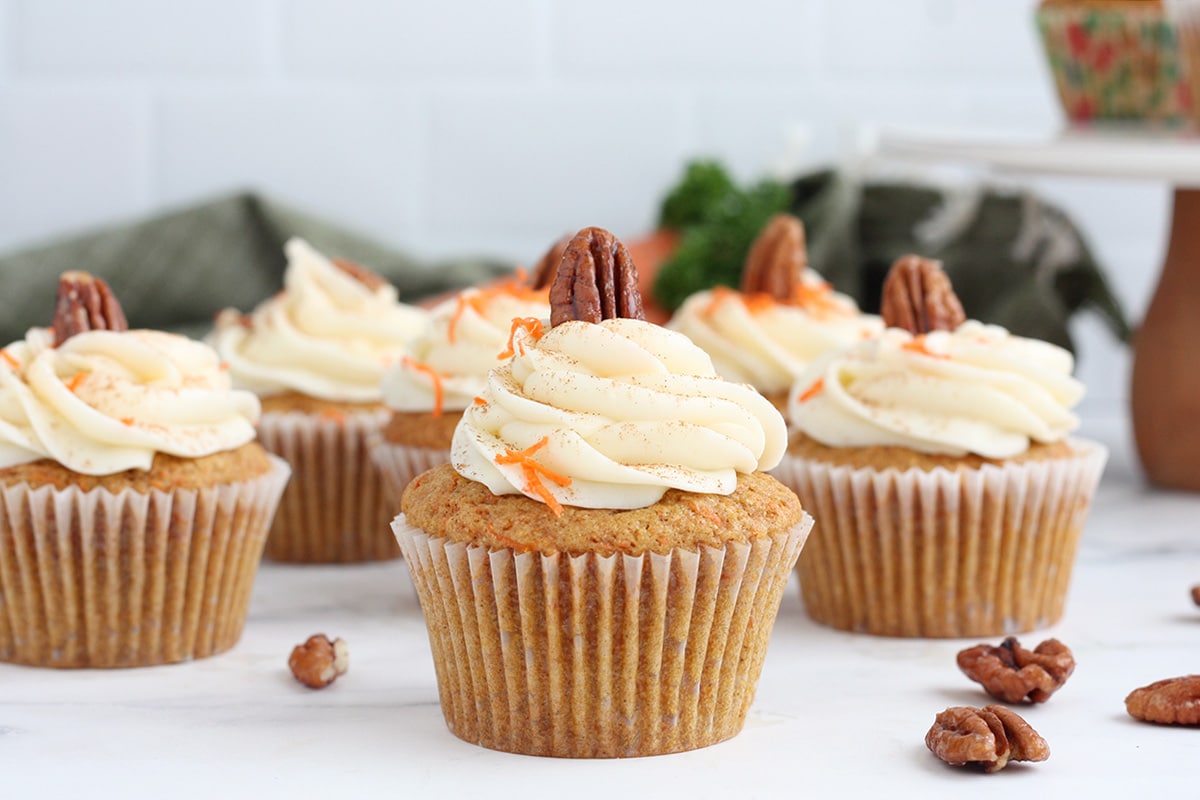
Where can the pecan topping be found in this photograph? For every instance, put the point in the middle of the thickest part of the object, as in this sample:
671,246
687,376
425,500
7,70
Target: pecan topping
318,662
987,737
368,278
85,303
1013,674
918,297
596,280
1196,595
547,266
776,262
1174,701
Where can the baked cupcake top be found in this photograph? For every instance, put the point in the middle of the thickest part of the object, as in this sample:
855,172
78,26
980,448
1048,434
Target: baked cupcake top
99,399
446,367
943,386
784,316
331,333
605,410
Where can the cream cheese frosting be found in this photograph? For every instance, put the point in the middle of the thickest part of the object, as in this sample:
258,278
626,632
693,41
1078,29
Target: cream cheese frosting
446,367
326,335
107,401
978,389
612,415
754,339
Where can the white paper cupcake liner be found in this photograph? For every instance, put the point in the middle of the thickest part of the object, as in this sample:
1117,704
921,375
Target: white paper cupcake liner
595,656
974,552
336,508
400,463
96,579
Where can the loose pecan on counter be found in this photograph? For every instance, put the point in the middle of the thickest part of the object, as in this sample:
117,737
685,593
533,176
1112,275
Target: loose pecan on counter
85,303
918,297
776,262
318,662
1173,701
1011,673
596,280
987,738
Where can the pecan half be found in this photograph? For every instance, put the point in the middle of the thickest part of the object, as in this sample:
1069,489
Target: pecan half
318,662
918,297
368,278
1173,701
987,737
85,303
776,262
547,266
596,280
1196,595
1013,674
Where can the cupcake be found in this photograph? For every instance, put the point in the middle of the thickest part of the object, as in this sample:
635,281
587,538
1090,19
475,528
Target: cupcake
315,354
134,502
444,370
938,460
601,564
783,317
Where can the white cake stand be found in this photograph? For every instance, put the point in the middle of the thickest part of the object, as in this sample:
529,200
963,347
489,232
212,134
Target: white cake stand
1166,356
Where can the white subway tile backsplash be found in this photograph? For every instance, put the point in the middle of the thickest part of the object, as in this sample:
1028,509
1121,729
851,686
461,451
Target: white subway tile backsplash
144,38
351,155
380,39
68,159
684,39
545,162
951,41
759,131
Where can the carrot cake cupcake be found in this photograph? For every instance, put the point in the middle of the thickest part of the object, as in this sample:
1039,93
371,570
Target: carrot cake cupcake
783,317
601,564
937,458
316,354
134,502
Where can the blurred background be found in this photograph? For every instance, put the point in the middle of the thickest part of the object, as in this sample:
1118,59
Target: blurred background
467,127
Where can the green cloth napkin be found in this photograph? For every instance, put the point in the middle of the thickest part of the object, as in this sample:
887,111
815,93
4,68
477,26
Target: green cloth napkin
176,270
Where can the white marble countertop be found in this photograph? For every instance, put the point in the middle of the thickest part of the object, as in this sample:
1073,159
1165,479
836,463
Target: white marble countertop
836,714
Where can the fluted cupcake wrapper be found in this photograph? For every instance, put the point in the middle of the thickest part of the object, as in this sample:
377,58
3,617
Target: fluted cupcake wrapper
595,656
336,508
401,463
97,579
974,552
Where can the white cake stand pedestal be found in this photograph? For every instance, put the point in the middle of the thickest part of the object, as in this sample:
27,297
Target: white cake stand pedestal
1166,352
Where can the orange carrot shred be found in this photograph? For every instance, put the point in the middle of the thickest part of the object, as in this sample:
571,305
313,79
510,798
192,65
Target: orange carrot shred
10,359
812,391
479,401
126,420
76,379
531,325
434,377
535,471
917,345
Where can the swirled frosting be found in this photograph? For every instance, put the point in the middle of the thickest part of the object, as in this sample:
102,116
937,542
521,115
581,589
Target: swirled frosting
611,415
977,390
326,335
106,401
447,366
754,339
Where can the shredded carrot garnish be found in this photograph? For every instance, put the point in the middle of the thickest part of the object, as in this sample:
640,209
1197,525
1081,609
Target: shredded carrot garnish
812,391
435,378
223,366
10,359
754,303
535,471
530,325
479,401
76,379
333,415
126,420
516,286
917,345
